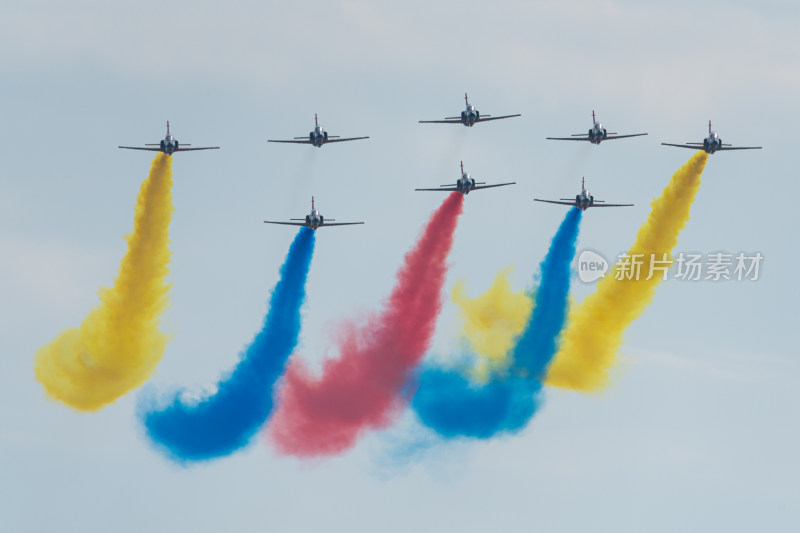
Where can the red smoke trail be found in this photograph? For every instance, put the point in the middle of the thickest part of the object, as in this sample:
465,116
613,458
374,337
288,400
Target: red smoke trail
364,387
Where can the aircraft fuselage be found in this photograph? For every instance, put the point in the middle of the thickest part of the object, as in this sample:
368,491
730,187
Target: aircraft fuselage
314,220
318,137
465,184
712,143
597,133
313,223
169,145
584,200
470,116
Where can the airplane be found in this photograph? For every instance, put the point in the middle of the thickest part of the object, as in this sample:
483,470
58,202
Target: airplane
584,200
469,117
712,144
169,145
465,184
313,220
318,137
596,135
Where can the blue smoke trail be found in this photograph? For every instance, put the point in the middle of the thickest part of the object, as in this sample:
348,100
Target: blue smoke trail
453,406
227,421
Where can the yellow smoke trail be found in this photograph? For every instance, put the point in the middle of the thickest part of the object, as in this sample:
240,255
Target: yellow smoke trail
119,344
591,340
492,320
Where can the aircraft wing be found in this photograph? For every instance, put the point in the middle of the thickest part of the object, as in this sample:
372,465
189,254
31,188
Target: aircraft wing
481,119
292,142
495,185
690,146
285,223
738,148
182,149
443,189
608,138
584,137
555,202
596,204
338,224
140,148
446,121
330,140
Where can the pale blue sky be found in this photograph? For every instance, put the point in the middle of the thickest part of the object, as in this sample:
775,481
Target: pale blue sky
699,430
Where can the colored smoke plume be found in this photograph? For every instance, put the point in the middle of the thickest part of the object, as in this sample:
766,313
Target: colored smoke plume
492,321
591,341
119,343
365,387
225,422
454,406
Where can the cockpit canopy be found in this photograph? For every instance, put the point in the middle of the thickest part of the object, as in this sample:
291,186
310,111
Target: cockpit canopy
713,135
598,126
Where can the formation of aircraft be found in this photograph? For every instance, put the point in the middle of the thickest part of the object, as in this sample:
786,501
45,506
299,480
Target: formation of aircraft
712,144
469,117
318,137
596,135
465,184
169,145
583,201
313,220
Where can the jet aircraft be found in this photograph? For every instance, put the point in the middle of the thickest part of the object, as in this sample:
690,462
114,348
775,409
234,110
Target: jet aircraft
169,145
465,184
313,220
318,137
712,144
583,201
469,117
596,135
